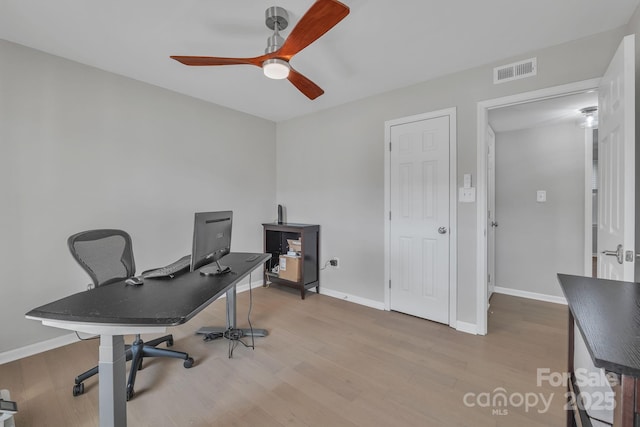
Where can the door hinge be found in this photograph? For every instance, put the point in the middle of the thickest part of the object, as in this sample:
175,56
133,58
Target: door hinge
389,145
488,278
389,215
389,283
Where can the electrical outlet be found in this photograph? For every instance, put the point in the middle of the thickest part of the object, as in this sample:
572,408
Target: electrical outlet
334,262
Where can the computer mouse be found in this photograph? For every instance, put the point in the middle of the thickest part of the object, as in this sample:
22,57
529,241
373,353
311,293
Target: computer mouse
134,281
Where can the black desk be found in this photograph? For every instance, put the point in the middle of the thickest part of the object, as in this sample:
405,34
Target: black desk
607,313
115,310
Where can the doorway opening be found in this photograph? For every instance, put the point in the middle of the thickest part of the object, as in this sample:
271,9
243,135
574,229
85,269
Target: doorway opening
485,217
541,206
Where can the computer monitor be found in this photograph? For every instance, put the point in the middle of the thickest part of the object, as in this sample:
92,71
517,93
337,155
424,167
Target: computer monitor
211,241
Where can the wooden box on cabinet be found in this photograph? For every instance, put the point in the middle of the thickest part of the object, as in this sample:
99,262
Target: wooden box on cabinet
275,243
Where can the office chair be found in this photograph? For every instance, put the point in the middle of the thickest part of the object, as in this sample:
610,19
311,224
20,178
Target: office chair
6,417
107,256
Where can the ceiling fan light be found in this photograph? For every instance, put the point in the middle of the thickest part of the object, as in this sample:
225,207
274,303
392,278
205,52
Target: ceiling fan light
275,68
589,117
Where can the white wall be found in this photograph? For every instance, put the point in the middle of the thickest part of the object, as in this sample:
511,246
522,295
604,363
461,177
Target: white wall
331,172
76,150
535,241
81,148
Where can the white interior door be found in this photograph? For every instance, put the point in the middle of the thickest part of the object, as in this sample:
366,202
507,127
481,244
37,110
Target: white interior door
419,226
616,166
492,222
616,196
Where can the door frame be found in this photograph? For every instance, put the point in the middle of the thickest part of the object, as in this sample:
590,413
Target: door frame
491,254
453,235
483,108
588,202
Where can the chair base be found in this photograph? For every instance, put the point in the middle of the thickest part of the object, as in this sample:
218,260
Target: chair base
135,353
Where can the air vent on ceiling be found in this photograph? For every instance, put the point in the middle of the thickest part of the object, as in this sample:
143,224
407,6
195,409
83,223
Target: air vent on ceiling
515,71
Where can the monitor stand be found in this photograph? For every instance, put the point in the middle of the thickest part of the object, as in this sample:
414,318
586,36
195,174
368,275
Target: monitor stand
214,270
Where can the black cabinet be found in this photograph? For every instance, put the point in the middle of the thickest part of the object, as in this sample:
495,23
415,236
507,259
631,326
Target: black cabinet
275,243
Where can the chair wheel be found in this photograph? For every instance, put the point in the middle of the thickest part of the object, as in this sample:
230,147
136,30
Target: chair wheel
130,393
78,389
188,363
170,343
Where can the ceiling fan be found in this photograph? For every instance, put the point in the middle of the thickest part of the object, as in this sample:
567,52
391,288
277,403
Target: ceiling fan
320,18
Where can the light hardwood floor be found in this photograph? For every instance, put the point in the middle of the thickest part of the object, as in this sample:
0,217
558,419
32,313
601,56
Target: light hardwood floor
326,362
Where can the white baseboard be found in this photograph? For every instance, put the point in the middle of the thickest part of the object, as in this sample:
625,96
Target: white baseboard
352,298
30,350
530,295
469,328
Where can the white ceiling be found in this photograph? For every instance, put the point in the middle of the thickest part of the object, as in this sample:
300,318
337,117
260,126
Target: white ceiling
380,46
548,112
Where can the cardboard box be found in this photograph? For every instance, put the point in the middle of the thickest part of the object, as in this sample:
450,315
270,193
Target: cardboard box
295,245
290,267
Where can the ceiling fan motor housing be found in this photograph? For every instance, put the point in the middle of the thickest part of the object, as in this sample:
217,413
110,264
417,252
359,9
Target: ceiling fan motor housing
274,43
276,14
276,19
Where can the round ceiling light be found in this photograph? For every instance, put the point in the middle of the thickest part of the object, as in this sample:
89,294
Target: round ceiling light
275,68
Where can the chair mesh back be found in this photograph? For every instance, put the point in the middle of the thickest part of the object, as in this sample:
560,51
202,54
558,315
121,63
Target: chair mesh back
106,255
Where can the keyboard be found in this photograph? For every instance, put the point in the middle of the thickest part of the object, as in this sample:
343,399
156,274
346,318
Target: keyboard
171,269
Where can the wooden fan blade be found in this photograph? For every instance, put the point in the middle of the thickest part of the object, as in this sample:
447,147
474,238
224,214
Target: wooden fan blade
212,60
320,18
304,85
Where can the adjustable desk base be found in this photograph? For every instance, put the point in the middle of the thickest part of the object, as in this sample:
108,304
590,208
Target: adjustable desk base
231,322
241,332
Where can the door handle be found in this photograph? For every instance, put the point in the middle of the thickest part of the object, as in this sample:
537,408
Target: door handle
442,230
618,253
494,224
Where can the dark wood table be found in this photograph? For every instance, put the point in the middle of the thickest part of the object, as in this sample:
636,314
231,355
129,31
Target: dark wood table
607,314
116,310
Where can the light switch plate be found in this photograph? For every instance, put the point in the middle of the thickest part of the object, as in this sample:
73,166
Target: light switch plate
466,180
467,195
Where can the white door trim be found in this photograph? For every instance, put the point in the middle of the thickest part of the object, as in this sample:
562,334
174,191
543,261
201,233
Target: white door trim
481,182
492,252
453,282
588,202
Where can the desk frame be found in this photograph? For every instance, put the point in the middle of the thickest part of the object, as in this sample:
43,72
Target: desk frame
112,356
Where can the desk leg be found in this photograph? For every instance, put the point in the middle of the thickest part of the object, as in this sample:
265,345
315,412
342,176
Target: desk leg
625,411
231,321
112,384
570,368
